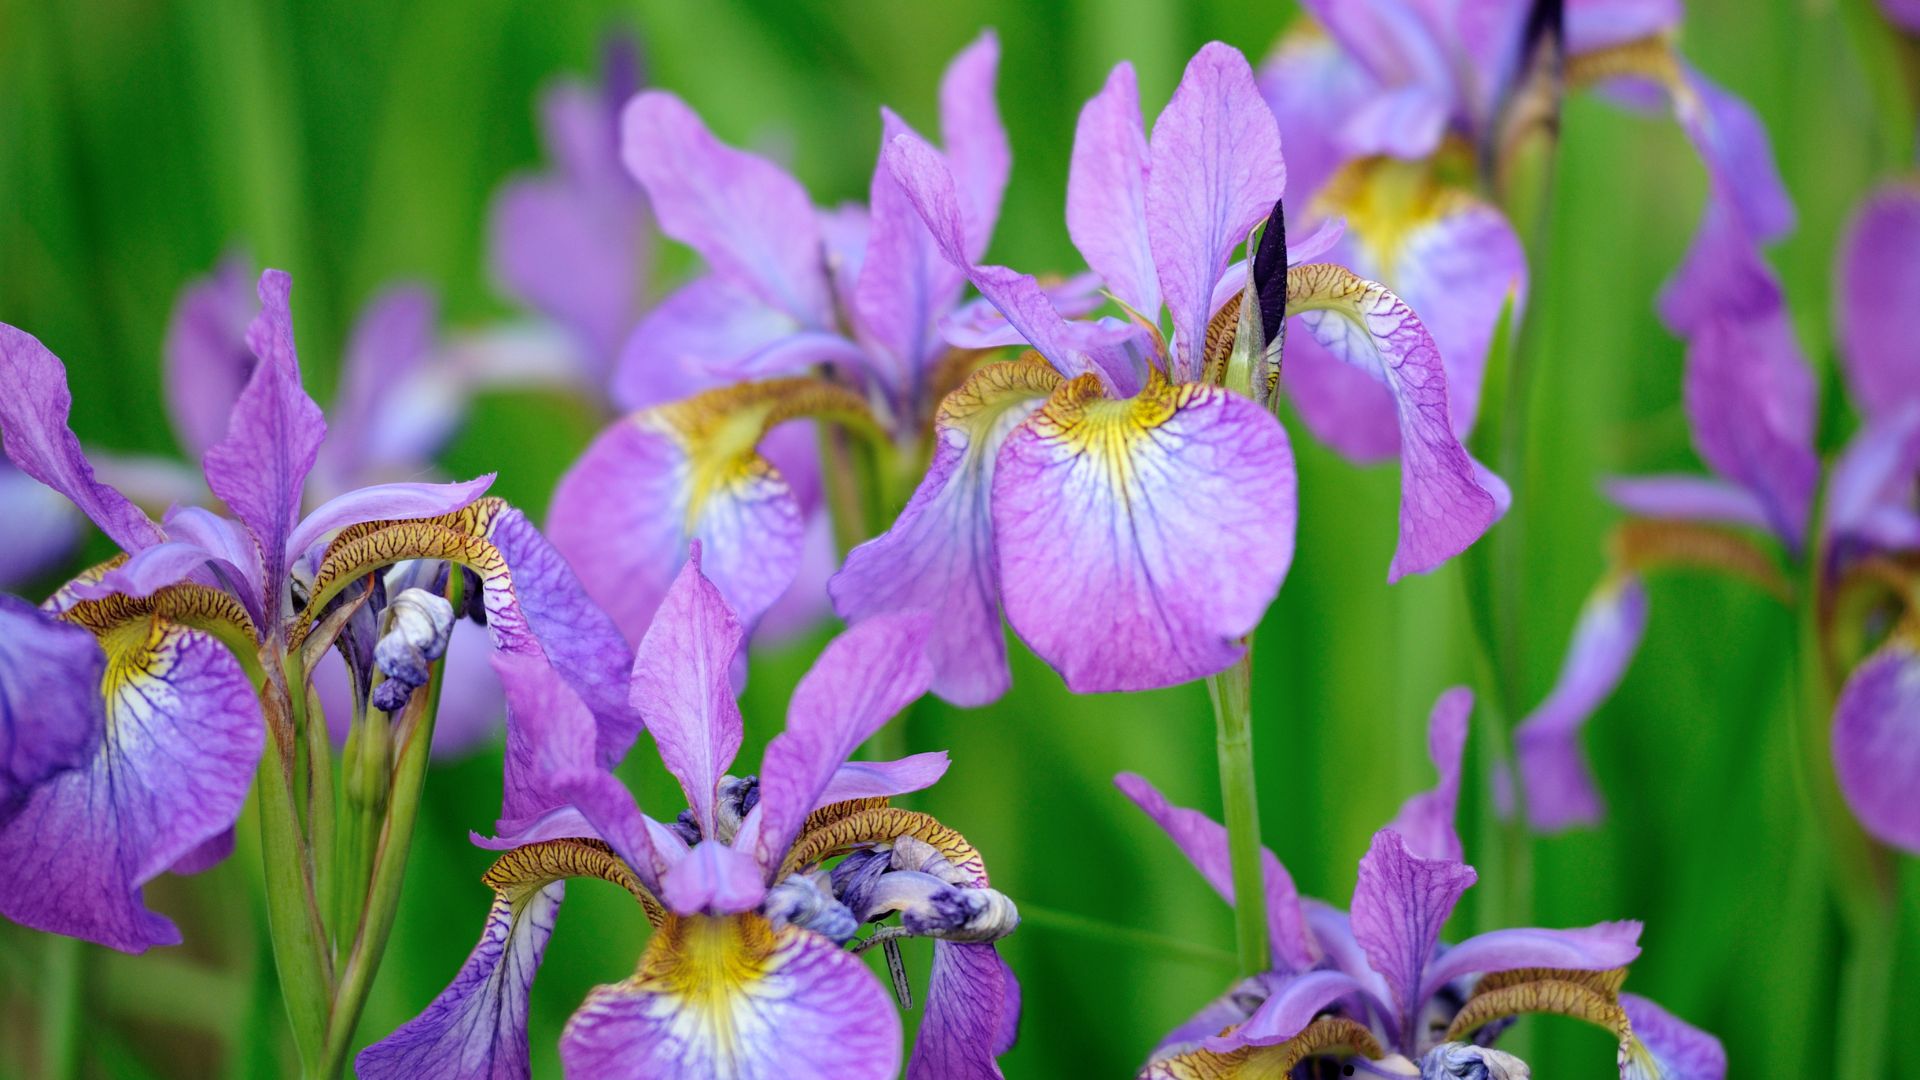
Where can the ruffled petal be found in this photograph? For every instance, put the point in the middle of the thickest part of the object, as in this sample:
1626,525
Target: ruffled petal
205,358
1679,1050
34,405
939,553
1554,773
1444,507
181,738
973,1010
51,714
1288,1009
683,687
1876,744
1167,517
1601,947
1426,821
1215,171
1107,192
1399,905
752,221
734,997
975,139
1877,299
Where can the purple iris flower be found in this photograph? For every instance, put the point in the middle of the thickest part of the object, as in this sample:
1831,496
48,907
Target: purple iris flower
192,627
1750,400
1393,110
747,973
1377,986
1113,478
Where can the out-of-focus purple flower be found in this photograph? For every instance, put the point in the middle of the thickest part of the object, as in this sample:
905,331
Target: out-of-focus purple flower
745,974
1114,479
1903,13
42,527
1379,983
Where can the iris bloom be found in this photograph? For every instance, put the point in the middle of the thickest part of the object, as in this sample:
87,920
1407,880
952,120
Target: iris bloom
1751,404
1398,114
1114,478
1377,986
747,973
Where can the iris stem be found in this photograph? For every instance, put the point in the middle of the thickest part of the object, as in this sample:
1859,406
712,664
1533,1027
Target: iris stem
1232,695
62,987
293,917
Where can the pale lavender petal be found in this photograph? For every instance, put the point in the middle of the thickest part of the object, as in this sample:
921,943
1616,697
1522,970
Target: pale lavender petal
1877,298
713,879
1600,24
1722,276
707,326
574,254
1204,842
1426,821
862,680
391,346
1749,400
260,469
976,141
977,324
178,750
1870,492
1406,122
51,714
1393,38
41,527
795,353
34,405
905,283
1399,905
1324,238
805,604
1214,1017
1679,1050
1287,1010
805,1009
1733,143
1876,744
876,779
1313,85
1107,193
752,221
1215,171
1332,936
1343,406
384,502
1600,947
1686,497
477,1027
973,1004
1553,768
683,688
206,360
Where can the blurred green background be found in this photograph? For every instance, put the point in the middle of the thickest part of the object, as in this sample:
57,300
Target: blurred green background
352,143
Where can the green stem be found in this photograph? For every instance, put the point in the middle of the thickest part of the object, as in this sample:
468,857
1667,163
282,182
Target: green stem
1232,694
293,917
845,502
61,990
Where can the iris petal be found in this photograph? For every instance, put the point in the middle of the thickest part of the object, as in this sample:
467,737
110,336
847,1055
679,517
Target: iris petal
1876,744
683,688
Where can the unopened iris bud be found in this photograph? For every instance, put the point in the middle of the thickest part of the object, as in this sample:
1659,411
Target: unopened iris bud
418,626
807,901
1464,1061
738,795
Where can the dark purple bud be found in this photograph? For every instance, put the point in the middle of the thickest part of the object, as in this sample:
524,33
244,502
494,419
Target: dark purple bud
1270,272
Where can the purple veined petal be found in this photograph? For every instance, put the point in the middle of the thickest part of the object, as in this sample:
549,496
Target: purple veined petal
51,715
384,502
260,469
1331,932
977,324
1214,172
1204,842
34,405
1679,1051
1107,192
477,1027
939,553
1876,743
682,687
223,538
1685,497
976,141
1214,1017
1287,1011
905,283
207,362
1168,517
1870,490
1426,821
1342,406
1443,507
1600,947
1554,773
170,771
1598,24
796,353
705,327
42,527
800,1008
752,221
1399,905
1748,395
1312,85
875,779
1877,297
862,680
1733,143
973,1009
713,879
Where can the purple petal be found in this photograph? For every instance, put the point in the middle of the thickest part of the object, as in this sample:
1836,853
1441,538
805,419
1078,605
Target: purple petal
1443,506
1332,935
1684,497
161,565
1903,13
1204,842
206,358
1733,143
800,1008
384,502
477,1027
939,553
1394,39
1877,299
1591,948
41,527
1215,172
1553,768
1749,402
713,879
977,324
1399,905
1313,85
804,605
905,283
1287,1010
752,221
1426,821
181,739
260,469
34,405
1876,743
1168,518
706,326
877,779
1406,122
1107,192
1600,24
973,1007
1870,490
50,709
863,679
1343,406
1723,276
390,348
976,142
1679,1050
683,688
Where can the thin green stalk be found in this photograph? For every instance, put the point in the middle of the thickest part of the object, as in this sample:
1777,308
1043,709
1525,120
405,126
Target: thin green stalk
320,808
846,504
1085,926
61,988
1232,694
293,917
